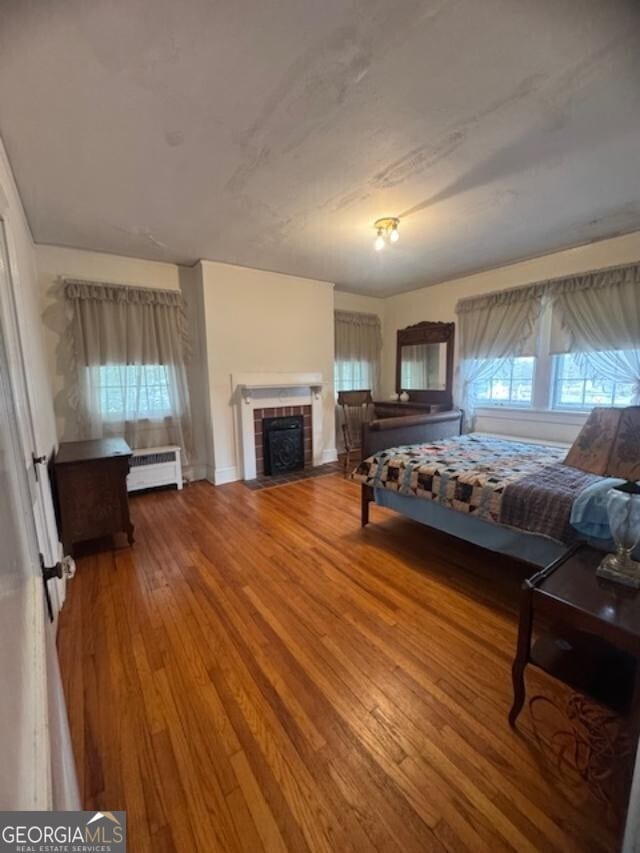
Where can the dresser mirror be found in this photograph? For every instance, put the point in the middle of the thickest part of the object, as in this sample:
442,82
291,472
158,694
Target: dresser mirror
424,363
423,367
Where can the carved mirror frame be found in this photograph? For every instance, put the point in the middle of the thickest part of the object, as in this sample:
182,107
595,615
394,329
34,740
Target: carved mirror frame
428,332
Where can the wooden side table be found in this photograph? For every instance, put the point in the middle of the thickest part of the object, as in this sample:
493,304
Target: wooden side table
594,642
91,487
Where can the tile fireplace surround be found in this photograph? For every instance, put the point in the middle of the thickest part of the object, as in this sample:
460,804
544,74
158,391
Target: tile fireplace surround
287,393
280,412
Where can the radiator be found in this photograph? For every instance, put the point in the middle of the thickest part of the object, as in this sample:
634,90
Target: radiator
153,467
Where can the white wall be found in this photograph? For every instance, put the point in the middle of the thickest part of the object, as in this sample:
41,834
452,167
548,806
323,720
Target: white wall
55,263
438,303
262,322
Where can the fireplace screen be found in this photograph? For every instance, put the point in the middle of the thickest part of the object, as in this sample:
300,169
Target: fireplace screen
283,440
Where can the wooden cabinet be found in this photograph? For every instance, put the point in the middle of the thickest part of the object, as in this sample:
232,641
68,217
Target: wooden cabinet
91,487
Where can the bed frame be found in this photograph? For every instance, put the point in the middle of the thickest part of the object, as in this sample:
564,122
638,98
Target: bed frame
412,429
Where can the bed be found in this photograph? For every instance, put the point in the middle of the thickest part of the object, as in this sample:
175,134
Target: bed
509,496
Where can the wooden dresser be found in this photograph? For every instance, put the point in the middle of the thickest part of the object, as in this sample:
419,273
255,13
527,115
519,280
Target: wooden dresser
91,487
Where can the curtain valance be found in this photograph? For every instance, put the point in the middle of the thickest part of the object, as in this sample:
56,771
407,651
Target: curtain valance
115,323
358,334
357,319
498,329
501,298
628,274
597,312
103,292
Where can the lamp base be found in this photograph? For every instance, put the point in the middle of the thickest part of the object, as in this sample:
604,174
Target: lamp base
624,571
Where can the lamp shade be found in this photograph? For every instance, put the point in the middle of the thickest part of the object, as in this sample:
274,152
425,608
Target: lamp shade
609,444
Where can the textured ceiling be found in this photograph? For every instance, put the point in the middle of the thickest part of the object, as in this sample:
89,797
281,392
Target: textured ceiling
272,133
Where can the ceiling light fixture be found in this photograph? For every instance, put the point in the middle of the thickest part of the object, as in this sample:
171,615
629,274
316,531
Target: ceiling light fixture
387,229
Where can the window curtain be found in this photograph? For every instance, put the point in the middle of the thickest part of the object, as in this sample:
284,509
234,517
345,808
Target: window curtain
129,350
597,317
490,328
358,343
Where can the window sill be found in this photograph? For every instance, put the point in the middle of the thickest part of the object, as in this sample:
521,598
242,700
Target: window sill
547,416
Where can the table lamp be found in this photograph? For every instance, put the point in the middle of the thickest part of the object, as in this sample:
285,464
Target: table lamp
609,445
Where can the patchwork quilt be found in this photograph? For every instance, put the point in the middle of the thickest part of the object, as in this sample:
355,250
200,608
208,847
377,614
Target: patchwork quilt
469,473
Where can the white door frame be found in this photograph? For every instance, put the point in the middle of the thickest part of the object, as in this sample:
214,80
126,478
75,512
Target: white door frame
24,647
51,772
37,474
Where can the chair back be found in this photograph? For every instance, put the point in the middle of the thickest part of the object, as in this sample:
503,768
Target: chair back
357,408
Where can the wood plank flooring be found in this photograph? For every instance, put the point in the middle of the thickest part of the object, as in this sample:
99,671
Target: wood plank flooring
259,673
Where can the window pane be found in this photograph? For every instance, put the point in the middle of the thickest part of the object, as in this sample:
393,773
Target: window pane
510,383
353,375
572,393
521,391
133,391
598,393
500,389
522,368
623,394
577,385
483,390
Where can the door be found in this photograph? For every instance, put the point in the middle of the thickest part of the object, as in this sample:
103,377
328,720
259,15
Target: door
25,779
19,339
37,769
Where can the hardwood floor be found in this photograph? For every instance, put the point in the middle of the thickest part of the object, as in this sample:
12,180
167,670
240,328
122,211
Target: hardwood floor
259,673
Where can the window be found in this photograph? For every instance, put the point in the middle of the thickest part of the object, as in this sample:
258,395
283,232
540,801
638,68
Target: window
358,341
353,374
133,391
509,383
577,386
556,382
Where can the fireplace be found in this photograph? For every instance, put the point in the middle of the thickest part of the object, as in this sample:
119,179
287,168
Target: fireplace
283,443
276,413
264,395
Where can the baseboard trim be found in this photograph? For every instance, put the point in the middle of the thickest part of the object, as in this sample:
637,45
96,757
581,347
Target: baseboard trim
226,475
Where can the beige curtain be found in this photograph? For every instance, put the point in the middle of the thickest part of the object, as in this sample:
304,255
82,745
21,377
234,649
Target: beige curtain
129,347
493,327
358,344
597,317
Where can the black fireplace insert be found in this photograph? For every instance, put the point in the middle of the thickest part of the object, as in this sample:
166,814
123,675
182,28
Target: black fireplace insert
283,440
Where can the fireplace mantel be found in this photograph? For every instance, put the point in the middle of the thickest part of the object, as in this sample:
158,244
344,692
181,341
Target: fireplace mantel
249,383
274,390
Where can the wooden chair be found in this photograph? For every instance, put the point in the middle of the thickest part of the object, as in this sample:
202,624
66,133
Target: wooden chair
356,408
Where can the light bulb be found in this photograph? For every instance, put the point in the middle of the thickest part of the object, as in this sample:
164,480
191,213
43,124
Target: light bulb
395,234
379,243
